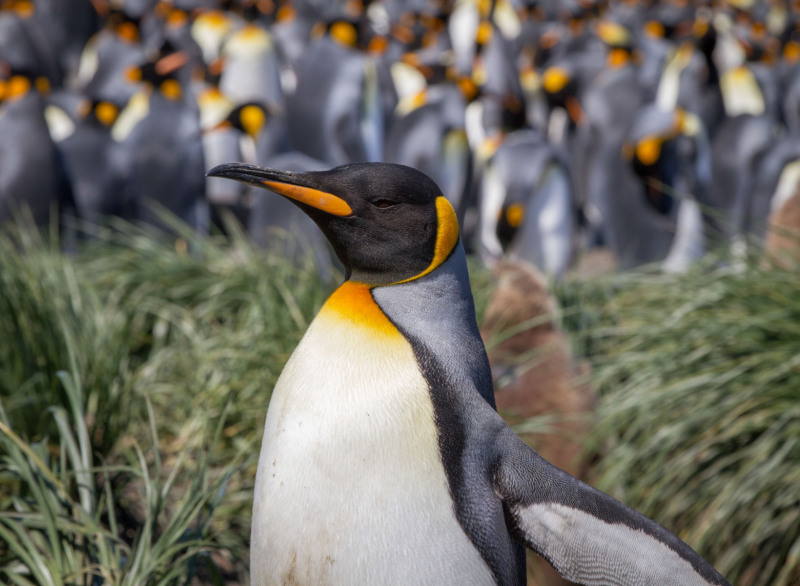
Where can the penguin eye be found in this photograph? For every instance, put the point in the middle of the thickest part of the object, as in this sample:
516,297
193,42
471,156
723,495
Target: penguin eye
383,203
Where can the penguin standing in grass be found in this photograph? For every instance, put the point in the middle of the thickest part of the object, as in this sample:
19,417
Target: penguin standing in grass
384,460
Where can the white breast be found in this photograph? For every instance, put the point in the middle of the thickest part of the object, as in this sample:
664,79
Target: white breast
350,487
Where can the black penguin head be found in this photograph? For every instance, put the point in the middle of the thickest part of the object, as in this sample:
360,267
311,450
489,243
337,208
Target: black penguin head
98,112
250,118
125,26
161,72
655,161
387,223
16,83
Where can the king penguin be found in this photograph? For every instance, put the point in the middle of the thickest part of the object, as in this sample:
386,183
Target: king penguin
384,460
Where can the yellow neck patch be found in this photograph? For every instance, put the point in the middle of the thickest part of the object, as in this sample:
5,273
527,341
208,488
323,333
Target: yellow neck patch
648,150
468,88
23,8
791,52
353,302
344,33
16,87
177,18
654,29
612,33
378,45
171,89
253,119
515,214
554,79
446,237
127,31
42,85
484,34
618,58
285,13
106,113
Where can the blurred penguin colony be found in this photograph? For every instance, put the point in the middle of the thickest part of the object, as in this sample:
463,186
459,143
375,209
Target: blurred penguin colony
653,130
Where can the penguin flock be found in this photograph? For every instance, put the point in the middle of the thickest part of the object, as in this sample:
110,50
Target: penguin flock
654,130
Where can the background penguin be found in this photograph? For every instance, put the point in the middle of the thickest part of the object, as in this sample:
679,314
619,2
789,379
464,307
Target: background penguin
384,460
95,163
29,38
428,132
209,29
669,153
343,103
607,105
108,55
32,174
160,131
75,21
735,150
221,142
527,207
275,224
292,28
774,183
252,69
251,133
171,26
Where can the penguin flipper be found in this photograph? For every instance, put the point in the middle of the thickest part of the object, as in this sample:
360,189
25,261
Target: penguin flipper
589,537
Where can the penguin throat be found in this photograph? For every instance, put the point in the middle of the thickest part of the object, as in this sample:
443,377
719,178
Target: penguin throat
353,302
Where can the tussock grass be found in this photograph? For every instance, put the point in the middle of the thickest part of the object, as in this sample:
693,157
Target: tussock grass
52,321
215,321
699,422
163,337
135,375
59,520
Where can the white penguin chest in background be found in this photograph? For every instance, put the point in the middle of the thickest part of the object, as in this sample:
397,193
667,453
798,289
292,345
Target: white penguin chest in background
350,486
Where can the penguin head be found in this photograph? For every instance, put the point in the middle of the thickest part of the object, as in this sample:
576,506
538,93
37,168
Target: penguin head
161,72
415,30
124,26
387,223
250,118
99,112
619,42
652,150
17,83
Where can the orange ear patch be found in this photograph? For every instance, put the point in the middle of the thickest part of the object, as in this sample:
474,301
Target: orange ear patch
446,236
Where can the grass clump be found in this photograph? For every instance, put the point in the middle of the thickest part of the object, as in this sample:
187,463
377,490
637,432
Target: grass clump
162,338
59,517
52,321
699,421
135,376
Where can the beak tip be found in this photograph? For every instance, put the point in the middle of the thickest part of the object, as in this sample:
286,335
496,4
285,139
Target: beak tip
230,170
213,172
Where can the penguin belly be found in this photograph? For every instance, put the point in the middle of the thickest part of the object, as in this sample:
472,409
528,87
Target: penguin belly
350,486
